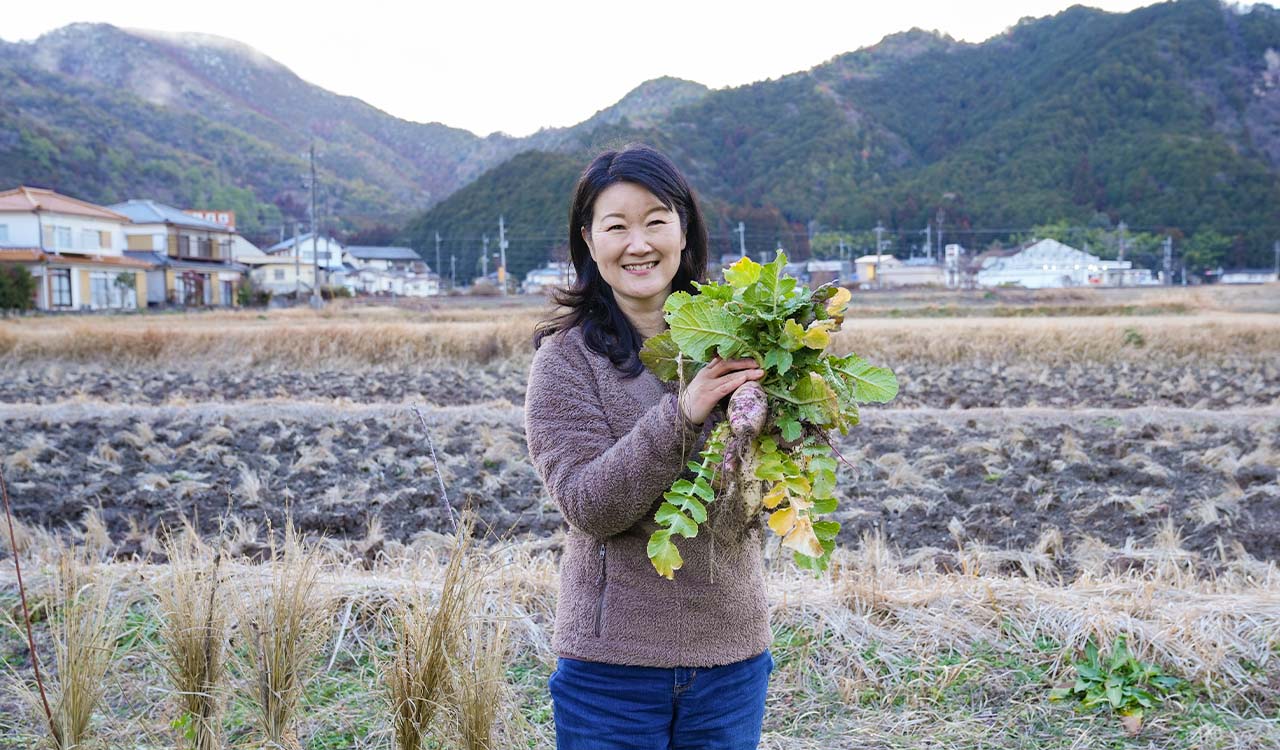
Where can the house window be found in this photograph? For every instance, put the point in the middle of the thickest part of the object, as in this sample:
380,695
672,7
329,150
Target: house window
60,287
224,250
4,232
184,245
62,238
278,274
112,290
89,239
204,247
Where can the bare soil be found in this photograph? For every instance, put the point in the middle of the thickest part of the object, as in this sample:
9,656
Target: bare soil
930,479
1233,383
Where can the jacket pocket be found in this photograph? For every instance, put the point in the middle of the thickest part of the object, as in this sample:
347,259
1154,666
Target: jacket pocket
602,582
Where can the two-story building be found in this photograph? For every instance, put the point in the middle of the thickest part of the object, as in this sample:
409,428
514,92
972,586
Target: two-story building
73,248
191,259
397,271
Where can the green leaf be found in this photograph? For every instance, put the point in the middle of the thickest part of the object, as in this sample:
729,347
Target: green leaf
675,301
822,506
670,515
743,273
779,360
697,328
1113,696
815,400
790,428
661,355
876,385
826,530
824,484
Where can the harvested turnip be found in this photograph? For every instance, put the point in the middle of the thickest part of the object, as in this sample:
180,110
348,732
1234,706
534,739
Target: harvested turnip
748,410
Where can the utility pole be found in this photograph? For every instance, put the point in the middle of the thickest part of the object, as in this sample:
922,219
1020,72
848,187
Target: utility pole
941,215
879,249
439,268
316,302
453,271
484,259
297,264
1121,241
742,239
502,248
1277,249
1168,260
928,241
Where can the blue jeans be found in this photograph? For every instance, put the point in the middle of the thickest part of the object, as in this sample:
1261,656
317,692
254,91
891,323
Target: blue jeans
611,707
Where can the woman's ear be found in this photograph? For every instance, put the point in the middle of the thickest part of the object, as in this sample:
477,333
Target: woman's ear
586,237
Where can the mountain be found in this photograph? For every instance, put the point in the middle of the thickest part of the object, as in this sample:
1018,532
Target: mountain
1167,118
105,114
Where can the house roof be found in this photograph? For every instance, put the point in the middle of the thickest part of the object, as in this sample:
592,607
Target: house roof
288,242
373,252
156,259
143,211
36,255
25,199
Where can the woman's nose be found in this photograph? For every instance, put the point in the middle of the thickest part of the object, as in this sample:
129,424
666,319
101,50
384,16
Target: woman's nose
637,241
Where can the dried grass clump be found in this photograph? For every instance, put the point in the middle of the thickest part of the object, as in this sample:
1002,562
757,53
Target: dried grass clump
482,685
194,624
84,629
282,630
426,634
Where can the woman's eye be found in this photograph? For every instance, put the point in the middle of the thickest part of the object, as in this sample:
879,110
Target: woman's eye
613,227
657,222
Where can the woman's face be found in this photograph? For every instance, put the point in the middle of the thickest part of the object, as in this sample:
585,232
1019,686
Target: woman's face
636,241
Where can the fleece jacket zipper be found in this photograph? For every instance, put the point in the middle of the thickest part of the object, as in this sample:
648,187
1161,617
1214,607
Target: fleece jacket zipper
601,582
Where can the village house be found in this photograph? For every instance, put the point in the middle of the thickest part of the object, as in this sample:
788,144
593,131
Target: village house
1047,263
543,280
1249,276
894,272
191,257
73,248
285,268
398,271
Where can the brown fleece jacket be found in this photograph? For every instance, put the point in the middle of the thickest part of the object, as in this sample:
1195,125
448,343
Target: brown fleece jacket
607,448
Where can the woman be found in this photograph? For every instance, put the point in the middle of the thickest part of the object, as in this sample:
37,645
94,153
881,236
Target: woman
644,662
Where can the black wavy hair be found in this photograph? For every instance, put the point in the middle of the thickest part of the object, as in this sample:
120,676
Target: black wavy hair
589,300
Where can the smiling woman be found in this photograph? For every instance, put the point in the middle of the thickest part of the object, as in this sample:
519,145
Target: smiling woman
636,242
644,661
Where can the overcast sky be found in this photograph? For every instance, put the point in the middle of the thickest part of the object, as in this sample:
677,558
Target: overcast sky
519,66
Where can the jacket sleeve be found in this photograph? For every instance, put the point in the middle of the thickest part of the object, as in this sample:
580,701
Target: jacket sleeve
602,486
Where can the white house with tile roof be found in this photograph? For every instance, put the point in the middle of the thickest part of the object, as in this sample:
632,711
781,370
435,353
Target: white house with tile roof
74,248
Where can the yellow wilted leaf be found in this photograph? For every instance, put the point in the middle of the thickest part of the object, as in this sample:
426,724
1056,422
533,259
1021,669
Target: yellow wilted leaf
818,336
802,539
838,302
776,495
665,558
781,521
801,502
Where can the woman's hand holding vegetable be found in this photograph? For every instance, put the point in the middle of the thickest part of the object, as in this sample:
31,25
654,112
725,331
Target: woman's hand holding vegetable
720,378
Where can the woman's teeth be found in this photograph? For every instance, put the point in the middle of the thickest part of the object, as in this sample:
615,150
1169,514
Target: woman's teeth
641,266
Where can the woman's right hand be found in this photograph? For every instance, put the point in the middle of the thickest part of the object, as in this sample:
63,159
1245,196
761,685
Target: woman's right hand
718,379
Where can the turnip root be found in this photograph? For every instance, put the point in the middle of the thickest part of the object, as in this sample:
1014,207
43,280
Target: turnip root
748,410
